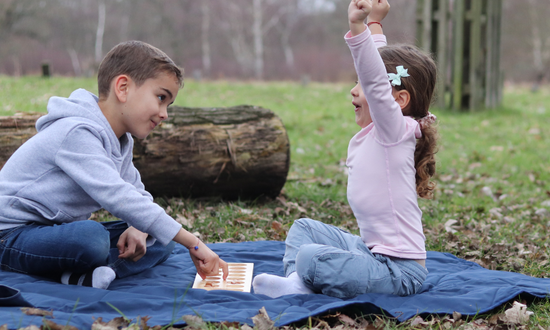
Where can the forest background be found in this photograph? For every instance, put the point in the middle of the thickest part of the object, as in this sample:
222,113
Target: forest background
234,39
493,183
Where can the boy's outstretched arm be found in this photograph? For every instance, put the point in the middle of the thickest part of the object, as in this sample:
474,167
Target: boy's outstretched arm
206,261
358,11
380,9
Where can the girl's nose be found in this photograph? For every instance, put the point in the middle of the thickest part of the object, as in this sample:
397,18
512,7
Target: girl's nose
354,91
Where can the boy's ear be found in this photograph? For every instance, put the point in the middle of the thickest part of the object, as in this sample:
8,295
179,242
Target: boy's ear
402,97
121,85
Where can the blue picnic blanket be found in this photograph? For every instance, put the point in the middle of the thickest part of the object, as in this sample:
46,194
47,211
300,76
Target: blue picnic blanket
163,293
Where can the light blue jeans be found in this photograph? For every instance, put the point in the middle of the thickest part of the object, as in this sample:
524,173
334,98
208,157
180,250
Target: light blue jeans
339,264
77,246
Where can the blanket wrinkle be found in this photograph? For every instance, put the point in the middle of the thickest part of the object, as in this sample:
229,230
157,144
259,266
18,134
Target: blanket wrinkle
453,285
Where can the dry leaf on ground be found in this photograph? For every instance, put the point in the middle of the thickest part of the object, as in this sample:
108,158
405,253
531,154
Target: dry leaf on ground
346,320
36,311
180,218
51,325
194,321
450,226
30,327
262,320
517,314
114,324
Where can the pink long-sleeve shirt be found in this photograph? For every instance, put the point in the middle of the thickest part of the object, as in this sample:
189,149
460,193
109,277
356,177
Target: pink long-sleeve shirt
381,181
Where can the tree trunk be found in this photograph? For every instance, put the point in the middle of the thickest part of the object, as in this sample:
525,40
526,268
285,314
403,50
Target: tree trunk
257,31
229,153
205,37
99,32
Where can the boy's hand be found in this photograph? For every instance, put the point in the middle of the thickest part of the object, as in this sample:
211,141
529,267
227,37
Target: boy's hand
380,9
207,262
132,244
358,11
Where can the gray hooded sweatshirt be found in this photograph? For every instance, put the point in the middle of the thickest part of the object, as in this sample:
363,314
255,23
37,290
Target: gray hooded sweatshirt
73,166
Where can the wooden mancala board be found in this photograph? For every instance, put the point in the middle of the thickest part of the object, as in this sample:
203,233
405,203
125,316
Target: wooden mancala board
239,279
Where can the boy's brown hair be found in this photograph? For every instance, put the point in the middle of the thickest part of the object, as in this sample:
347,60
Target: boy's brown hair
137,59
421,86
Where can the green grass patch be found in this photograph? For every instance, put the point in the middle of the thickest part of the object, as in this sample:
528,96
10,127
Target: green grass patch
491,206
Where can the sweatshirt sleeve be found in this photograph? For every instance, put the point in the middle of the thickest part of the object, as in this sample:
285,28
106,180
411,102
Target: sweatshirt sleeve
131,174
385,112
83,157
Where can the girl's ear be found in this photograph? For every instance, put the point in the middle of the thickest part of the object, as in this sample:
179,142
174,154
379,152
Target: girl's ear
403,98
121,87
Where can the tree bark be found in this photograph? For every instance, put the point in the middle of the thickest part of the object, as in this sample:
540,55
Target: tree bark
14,131
229,153
239,152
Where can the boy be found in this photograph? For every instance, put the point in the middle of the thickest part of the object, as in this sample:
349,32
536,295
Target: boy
81,161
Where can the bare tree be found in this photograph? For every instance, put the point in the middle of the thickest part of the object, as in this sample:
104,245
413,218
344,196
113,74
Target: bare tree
22,22
540,44
258,33
13,12
100,31
205,32
75,62
264,39
291,14
246,29
235,25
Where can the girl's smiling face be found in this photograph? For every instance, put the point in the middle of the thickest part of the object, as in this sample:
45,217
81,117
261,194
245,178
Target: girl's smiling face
362,113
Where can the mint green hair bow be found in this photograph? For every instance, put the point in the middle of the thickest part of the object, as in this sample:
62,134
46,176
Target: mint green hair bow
395,78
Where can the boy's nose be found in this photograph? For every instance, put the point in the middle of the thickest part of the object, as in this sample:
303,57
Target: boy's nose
163,113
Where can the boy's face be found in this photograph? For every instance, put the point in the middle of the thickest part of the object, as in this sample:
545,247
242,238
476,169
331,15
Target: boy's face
146,105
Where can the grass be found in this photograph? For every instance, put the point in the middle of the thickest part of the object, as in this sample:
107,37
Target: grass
504,151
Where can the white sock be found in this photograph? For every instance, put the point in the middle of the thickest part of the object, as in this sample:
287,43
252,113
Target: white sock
276,286
100,278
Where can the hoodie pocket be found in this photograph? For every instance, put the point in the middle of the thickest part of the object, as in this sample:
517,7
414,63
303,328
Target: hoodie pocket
41,211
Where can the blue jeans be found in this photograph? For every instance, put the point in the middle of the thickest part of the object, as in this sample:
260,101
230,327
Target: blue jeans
339,264
77,246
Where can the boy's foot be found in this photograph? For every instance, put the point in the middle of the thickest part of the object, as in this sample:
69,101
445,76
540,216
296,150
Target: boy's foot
100,278
276,286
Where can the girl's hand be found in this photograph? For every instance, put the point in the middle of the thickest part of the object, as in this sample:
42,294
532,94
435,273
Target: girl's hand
207,262
358,11
132,244
380,9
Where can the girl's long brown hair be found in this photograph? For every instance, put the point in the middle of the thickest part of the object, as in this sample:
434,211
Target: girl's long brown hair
420,85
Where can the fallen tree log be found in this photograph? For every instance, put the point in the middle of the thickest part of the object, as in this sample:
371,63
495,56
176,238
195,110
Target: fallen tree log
14,131
229,153
237,152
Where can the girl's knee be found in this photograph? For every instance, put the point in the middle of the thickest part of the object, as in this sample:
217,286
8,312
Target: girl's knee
308,252
306,260
304,222
301,225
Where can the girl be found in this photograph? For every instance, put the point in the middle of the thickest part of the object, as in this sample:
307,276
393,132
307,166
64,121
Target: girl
390,163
